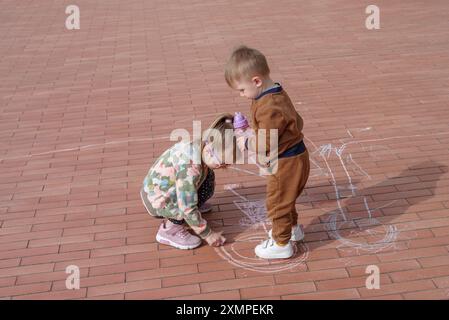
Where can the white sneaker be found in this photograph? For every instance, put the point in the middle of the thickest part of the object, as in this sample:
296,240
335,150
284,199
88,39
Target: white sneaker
269,249
297,233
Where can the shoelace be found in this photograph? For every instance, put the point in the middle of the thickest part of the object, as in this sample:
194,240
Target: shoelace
183,233
268,242
179,230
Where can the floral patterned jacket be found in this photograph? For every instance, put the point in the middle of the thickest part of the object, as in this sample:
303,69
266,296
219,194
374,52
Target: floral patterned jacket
171,186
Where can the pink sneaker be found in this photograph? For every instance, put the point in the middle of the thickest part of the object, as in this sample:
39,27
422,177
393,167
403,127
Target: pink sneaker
205,208
177,236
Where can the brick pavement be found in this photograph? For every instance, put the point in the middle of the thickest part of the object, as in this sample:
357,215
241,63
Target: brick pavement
85,112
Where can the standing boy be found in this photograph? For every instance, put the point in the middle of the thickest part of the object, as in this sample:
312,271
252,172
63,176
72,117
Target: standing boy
247,71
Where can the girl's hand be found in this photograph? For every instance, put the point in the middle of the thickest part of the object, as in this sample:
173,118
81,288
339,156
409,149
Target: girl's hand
215,239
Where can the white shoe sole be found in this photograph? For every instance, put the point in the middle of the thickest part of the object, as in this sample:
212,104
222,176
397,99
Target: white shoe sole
168,242
283,255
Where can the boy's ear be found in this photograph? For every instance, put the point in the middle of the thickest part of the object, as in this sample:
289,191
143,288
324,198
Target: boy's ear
257,81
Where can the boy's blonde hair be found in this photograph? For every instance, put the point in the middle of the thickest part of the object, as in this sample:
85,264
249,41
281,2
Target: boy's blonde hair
245,63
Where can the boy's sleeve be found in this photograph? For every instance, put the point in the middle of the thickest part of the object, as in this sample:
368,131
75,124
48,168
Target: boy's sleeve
267,118
187,198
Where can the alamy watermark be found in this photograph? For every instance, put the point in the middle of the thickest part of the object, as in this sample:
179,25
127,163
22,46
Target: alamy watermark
268,158
72,22
372,22
72,282
373,280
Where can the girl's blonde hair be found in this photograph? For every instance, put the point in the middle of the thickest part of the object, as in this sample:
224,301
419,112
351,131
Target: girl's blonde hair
221,138
245,63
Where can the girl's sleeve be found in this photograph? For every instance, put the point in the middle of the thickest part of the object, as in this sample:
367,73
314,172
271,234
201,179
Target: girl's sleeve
187,177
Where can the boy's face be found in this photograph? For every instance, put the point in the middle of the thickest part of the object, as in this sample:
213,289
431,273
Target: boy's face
249,88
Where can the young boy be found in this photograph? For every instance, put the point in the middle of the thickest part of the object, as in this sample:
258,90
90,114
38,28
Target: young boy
247,71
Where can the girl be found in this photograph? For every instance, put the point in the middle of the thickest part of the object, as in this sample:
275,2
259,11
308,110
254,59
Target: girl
176,187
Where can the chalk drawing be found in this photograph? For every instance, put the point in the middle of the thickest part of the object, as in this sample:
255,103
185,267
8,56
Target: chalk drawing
254,211
333,226
255,219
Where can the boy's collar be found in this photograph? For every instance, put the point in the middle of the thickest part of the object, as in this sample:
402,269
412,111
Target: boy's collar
274,89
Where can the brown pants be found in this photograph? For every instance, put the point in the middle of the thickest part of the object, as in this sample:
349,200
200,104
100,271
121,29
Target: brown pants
282,190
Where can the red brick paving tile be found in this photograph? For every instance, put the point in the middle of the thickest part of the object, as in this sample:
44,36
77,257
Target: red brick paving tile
92,245
7,263
48,276
162,253
107,297
25,289
6,272
64,210
427,295
387,297
434,261
244,273
93,229
54,295
117,267
341,263
393,288
198,278
33,236
62,225
13,230
120,234
428,242
277,290
141,239
221,295
60,240
91,262
311,276
123,287
162,273
96,214
386,267
343,294
7,282
353,282
196,259
237,283
441,282
124,250
54,258
412,253
32,221
5,247
164,293
443,231
267,298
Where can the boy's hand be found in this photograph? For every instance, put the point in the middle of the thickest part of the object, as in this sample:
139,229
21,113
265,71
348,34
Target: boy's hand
239,132
241,136
215,239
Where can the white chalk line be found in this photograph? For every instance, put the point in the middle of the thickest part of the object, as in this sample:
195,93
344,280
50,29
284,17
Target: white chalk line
79,148
89,146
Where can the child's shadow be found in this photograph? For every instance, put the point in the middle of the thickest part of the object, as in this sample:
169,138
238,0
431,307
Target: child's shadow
365,220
